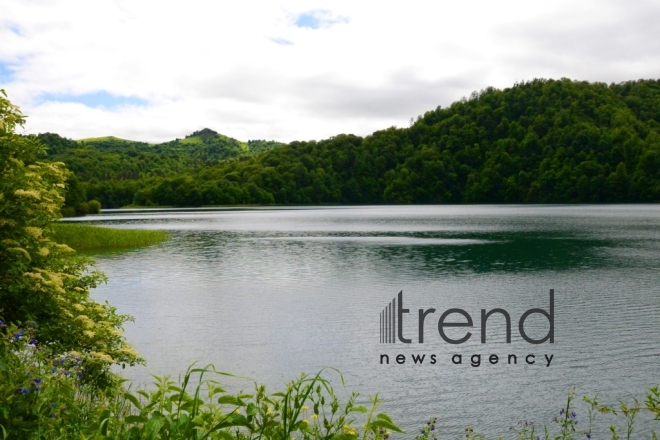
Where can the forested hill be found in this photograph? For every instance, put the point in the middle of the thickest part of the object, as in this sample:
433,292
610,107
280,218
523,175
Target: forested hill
111,158
119,167
543,141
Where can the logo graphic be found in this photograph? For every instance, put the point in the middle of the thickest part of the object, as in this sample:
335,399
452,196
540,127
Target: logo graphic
391,323
388,321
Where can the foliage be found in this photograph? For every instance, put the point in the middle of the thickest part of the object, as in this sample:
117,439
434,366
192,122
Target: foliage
103,166
41,396
542,141
44,398
86,237
41,280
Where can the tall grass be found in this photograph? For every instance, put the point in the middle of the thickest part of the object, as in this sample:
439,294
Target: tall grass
86,237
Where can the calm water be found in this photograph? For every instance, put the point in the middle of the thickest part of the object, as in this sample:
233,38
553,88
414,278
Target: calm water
270,293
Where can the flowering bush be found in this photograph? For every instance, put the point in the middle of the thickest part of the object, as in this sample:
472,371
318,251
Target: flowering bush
40,280
40,396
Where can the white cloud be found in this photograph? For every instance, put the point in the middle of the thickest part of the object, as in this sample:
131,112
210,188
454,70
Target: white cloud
256,69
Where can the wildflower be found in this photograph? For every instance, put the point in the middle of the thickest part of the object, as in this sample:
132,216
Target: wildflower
269,411
37,380
315,416
23,391
33,341
305,421
305,408
2,323
237,411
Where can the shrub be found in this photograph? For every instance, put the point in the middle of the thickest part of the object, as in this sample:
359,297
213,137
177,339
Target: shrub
43,281
94,206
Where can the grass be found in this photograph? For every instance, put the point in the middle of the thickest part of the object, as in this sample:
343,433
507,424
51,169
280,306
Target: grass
104,138
86,237
191,140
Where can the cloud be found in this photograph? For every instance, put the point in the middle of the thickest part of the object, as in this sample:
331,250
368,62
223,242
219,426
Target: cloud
298,69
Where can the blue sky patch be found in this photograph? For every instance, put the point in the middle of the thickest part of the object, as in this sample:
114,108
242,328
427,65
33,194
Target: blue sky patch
14,29
6,73
318,19
281,41
95,99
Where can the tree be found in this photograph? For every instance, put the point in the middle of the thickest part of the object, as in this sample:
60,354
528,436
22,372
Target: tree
42,282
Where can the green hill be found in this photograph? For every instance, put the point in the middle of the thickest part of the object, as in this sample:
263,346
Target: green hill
118,167
542,141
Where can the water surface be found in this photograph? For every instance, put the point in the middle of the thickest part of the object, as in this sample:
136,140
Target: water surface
270,293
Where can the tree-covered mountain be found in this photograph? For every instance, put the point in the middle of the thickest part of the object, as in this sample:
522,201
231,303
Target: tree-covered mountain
542,141
120,165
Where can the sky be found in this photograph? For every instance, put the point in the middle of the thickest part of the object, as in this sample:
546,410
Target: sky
298,70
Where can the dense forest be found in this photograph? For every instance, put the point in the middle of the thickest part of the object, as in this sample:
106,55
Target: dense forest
112,169
542,141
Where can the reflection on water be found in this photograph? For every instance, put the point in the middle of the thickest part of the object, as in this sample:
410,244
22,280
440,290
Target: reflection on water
268,293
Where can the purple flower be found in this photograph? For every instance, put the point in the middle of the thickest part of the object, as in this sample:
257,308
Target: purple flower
23,391
2,323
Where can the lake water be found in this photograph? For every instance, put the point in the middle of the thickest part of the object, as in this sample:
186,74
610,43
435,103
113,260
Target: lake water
270,293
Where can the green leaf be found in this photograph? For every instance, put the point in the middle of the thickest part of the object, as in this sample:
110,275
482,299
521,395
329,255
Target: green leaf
230,400
385,417
385,424
134,400
135,419
225,435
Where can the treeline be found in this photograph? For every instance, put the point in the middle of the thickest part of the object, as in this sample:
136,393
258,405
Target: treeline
542,141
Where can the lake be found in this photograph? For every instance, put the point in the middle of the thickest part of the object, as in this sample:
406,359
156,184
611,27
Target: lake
269,293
